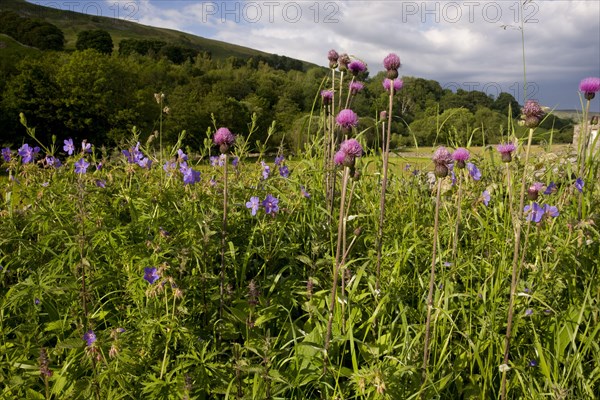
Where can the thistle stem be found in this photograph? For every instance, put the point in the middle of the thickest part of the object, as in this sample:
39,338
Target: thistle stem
223,237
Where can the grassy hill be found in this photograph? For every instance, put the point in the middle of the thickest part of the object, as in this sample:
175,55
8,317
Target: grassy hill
72,22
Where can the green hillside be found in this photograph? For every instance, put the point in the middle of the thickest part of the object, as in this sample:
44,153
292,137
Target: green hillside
72,23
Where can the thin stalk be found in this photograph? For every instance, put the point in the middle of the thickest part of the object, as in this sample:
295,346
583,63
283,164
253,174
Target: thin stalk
431,279
164,361
386,154
458,212
223,237
583,139
336,268
517,221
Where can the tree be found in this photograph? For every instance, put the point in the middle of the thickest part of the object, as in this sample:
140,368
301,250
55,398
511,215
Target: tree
504,102
98,39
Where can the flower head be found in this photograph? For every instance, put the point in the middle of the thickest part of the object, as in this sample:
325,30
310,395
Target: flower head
6,154
355,87
551,188
332,56
145,163
279,160
589,87
351,147
224,138
579,183
532,113
551,210
534,189
89,337
356,67
398,83
343,61
461,155
253,205
68,147
28,153
534,212
133,154
304,192
326,96
391,63
81,166
339,157
181,156
266,170
271,204
86,147
284,171
441,158
190,176
52,161
506,150
347,118
486,197
151,274
474,172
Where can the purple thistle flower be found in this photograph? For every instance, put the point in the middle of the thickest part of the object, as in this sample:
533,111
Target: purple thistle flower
355,87
351,147
28,153
266,170
551,188
534,212
589,87
398,84
579,183
343,61
339,157
279,159
6,154
81,166
90,338
284,171
347,118
486,197
442,156
356,67
551,210
326,96
506,149
391,62
151,274
461,155
86,147
271,204
253,205
69,148
332,56
534,189
224,138
532,113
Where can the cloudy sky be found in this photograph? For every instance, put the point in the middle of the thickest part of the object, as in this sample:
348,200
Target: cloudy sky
461,44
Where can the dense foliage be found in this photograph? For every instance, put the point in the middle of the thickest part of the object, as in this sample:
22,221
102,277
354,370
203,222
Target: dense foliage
32,32
96,39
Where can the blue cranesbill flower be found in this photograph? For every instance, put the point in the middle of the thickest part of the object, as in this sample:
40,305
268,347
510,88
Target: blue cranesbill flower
474,171
486,197
86,147
579,183
253,205
151,274
271,204
52,161
90,338
304,192
551,188
551,210
133,154
145,163
534,212
284,171
266,170
69,147
28,153
81,166
6,154
279,160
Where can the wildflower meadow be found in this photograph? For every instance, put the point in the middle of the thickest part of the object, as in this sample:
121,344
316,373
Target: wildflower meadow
155,270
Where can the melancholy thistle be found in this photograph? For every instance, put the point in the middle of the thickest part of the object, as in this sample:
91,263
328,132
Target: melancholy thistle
589,87
346,155
534,189
356,67
343,61
224,139
398,84
461,155
441,158
326,97
532,113
347,119
355,87
333,56
391,63
506,150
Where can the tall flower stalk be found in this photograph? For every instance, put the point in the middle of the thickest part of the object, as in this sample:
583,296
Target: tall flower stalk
531,114
589,87
441,159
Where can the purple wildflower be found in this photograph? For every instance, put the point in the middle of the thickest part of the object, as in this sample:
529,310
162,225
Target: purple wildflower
528,312
214,161
332,56
343,61
534,212
506,149
398,84
356,67
355,87
89,337
579,183
170,166
339,157
533,363
304,192
551,188
271,204
279,159
190,176
326,96
224,138
534,189
351,147
461,155
441,158
81,166
266,170
86,147
181,156
589,87
99,166
145,163
69,147
253,205
235,161
151,274
551,210
134,155
51,161
284,171
532,113
101,183
486,197
6,154
391,62
347,118
28,153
